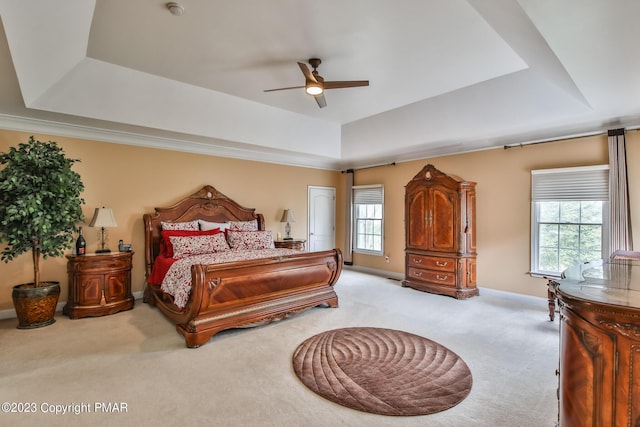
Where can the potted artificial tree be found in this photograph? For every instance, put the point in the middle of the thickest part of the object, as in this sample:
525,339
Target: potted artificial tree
40,206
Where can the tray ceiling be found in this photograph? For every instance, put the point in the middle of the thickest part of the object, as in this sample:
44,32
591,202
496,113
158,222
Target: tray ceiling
446,76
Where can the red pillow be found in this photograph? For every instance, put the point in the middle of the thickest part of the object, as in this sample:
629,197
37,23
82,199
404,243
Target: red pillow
166,249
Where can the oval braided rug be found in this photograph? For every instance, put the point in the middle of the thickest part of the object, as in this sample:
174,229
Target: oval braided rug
382,371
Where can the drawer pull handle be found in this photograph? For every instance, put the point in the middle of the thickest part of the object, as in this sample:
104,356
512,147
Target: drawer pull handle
418,274
442,264
439,277
417,261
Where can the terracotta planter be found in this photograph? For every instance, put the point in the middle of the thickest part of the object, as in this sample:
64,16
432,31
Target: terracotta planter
35,307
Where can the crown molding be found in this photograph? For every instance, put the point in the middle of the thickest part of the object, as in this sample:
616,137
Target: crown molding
187,144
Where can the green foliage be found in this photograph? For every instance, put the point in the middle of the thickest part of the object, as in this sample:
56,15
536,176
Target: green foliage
570,233
369,226
40,201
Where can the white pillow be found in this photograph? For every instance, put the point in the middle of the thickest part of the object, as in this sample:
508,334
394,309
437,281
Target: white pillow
207,225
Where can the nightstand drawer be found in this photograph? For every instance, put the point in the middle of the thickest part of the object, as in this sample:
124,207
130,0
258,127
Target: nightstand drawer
89,264
290,244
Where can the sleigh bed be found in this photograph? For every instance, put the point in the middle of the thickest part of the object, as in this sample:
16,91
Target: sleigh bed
234,291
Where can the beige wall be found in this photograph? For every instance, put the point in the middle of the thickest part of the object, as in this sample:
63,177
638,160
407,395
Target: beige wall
134,180
503,203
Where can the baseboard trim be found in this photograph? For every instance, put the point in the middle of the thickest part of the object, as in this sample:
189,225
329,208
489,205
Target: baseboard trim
376,272
7,314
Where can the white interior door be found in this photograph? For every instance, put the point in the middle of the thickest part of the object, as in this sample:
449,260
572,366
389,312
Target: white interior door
322,218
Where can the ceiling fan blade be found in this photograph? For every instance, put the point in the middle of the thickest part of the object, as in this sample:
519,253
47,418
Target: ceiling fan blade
321,101
307,74
345,84
284,88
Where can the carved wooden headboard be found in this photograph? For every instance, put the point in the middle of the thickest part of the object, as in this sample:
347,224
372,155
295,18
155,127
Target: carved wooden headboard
207,204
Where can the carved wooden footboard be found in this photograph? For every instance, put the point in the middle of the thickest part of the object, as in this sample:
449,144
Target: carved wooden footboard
252,293
243,293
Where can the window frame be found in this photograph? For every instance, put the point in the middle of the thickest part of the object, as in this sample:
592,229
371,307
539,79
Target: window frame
372,198
577,184
537,223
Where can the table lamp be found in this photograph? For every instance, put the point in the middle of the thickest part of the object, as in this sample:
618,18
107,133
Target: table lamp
287,216
103,218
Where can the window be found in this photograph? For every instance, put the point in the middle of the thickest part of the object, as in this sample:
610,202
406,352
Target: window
368,218
569,217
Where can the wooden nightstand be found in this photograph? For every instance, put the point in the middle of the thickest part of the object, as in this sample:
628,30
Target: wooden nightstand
99,284
291,244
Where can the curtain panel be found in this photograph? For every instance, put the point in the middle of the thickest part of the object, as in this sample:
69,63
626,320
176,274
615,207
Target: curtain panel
620,237
348,232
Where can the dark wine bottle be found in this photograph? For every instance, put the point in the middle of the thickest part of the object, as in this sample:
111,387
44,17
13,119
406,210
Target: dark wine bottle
81,244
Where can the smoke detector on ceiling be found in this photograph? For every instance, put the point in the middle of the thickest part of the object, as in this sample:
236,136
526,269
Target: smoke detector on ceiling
175,8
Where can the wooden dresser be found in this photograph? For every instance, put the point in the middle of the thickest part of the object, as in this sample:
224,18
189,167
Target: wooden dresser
99,284
599,382
440,251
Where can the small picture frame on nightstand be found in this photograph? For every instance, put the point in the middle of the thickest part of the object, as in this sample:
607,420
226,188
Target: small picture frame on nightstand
125,247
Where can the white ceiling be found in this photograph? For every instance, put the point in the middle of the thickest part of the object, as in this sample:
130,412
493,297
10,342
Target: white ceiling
446,76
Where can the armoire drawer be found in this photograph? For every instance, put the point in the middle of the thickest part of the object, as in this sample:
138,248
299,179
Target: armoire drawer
444,278
432,263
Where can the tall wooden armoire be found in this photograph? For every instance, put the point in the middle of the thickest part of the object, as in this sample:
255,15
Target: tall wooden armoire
440,224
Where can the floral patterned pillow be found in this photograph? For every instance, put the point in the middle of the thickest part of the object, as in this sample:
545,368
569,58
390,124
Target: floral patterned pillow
189,225
166,249
244,225
184,246
250,239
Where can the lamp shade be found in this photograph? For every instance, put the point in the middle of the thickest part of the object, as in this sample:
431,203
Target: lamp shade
287,216
103,218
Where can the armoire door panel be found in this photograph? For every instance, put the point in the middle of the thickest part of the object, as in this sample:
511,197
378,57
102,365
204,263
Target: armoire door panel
443,212
471,272
416,222
469,226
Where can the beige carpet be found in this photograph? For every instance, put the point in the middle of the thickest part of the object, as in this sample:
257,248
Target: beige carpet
382,371
245,378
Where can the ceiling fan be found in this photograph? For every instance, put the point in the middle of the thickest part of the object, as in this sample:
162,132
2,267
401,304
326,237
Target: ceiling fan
315,85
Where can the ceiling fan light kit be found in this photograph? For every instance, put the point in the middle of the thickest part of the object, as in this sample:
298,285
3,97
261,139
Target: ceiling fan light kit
315,84
314,88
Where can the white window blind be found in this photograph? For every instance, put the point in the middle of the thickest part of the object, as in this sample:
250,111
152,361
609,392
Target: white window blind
367,195
579,183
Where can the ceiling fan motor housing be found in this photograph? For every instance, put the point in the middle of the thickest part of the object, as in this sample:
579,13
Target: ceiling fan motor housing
315,62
